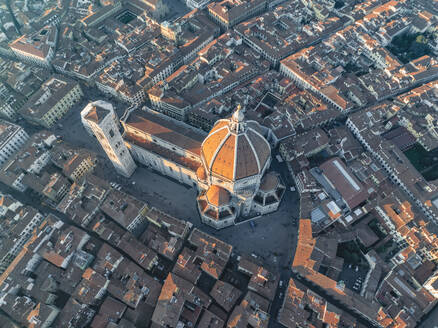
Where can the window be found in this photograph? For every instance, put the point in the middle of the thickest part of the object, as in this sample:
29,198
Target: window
111,133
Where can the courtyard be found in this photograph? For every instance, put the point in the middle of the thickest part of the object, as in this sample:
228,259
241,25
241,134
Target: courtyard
425,162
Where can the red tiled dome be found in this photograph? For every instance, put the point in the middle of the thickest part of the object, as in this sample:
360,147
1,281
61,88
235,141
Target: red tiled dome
235,149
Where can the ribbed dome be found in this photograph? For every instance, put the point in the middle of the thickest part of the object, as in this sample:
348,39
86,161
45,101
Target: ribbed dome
235,149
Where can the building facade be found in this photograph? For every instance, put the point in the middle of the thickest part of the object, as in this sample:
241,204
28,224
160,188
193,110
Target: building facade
101,121
37,48
27,220
55,98
12,138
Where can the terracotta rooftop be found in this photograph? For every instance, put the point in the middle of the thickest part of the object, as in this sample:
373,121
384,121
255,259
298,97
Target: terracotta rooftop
165,129
218,196
97,114
235,149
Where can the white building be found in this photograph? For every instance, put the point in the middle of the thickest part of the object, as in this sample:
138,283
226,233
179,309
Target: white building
52,101
229,166
12,138
37,48
101,121
165,145
235,158
91,106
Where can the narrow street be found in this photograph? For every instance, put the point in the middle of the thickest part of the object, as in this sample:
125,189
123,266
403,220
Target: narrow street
431,319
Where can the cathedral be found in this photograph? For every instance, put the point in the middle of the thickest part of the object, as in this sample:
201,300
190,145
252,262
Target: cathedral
230,166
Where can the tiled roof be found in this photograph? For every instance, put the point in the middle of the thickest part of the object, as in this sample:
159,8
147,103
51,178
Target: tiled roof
218,196
235,149
97,114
